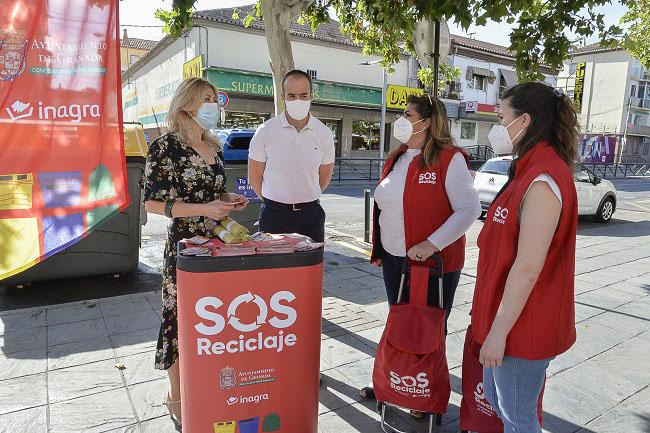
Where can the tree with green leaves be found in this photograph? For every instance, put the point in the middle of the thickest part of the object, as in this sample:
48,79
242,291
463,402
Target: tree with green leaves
446,74
385,27
637,38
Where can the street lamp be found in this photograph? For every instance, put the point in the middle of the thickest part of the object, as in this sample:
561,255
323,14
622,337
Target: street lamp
382,126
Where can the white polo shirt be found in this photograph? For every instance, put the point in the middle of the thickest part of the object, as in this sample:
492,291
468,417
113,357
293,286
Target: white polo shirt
292,158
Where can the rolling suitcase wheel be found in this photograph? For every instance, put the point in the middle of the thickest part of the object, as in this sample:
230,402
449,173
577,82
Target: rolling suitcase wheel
381,409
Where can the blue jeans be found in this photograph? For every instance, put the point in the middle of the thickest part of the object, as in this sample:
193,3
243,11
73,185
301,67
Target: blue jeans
513,390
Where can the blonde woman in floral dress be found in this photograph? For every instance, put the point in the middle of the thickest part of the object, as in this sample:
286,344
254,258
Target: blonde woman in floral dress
185,180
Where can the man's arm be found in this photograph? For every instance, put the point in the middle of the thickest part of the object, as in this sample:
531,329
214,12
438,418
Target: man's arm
256,175
257,160
327,163
325,175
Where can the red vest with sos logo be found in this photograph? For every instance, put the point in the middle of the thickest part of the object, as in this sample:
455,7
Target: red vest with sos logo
546,326
426,207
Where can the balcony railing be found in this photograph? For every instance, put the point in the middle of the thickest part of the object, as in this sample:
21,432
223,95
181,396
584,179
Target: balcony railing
640,103
456,96
640,73
636,129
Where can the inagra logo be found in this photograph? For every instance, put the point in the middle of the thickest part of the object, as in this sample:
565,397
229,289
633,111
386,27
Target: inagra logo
74,113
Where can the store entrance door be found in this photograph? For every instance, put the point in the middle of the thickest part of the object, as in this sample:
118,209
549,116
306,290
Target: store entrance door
336,126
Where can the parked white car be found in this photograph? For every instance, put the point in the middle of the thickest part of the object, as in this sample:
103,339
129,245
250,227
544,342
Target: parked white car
596,196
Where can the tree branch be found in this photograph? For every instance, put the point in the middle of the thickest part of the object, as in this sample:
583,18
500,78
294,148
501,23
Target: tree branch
298,6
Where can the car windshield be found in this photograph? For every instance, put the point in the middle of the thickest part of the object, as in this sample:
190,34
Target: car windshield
496,167
582,175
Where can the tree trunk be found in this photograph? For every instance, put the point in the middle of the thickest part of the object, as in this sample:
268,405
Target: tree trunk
277,16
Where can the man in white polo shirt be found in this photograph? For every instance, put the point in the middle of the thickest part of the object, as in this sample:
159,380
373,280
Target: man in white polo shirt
291,159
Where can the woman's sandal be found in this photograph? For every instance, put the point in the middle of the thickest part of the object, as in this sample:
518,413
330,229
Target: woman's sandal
174,407
367,393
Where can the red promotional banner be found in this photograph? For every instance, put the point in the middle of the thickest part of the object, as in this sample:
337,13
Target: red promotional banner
249,349
62,165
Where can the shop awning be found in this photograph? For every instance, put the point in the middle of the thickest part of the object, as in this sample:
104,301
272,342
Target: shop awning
509,76
483,72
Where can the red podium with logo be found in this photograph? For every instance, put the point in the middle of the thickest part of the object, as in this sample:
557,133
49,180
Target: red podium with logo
249,342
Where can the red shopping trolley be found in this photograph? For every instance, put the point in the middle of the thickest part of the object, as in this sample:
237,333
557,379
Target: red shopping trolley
410,368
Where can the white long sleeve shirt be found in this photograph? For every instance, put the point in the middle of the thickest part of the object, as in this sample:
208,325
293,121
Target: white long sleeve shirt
459,186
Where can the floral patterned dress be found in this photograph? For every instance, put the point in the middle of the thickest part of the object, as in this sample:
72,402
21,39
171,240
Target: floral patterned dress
175,170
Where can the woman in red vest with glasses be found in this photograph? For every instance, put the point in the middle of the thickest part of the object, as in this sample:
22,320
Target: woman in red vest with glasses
523,309
424,203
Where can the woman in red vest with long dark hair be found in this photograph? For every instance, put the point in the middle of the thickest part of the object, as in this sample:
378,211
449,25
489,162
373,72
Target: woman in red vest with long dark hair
523,310
424,203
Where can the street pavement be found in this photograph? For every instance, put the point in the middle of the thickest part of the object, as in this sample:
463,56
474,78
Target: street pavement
77,355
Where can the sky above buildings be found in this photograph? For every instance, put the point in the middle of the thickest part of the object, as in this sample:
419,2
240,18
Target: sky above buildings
137,15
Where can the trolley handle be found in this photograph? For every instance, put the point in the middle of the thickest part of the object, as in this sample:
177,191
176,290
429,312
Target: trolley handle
402,279
439,270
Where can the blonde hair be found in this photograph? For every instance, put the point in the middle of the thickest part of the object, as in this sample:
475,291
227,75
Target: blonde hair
188,98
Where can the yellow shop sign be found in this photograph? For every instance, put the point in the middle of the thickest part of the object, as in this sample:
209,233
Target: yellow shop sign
396,96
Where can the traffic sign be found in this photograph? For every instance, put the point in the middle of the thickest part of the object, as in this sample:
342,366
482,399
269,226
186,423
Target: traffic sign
223,99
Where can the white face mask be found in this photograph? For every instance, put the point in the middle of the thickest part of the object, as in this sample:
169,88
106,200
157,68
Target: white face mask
298,109
500,140
208,115
403,129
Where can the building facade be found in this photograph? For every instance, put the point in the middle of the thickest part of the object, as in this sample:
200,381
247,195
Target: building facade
487,70
611,94
347,93
347,90
132,49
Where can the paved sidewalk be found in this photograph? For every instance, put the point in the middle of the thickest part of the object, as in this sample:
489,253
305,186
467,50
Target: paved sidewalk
59,365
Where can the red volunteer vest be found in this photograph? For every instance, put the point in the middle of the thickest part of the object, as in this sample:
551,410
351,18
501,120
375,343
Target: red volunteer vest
426,208
546,326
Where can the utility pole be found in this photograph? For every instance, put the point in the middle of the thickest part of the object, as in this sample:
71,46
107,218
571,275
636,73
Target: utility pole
436,59
627,116
382,128
591,89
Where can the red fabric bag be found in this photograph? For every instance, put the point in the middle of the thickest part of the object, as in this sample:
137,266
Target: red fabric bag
476,414
410,368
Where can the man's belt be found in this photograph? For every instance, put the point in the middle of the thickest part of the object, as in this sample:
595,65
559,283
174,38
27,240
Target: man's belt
292,207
